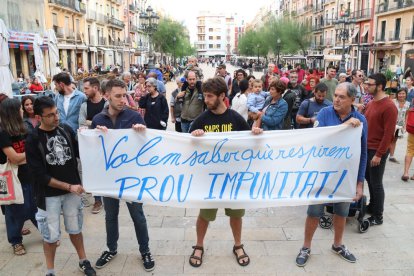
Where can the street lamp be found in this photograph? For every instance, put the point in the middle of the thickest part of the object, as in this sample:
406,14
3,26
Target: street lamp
174,39
278,45
148,24
258,46
344,26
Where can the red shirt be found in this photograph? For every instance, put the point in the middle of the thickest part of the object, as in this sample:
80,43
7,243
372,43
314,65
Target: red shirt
33,87
381,118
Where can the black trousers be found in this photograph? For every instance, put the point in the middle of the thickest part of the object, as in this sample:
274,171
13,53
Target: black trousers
374,176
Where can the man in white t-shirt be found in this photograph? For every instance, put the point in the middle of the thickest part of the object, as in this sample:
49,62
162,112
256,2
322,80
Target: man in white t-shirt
68,100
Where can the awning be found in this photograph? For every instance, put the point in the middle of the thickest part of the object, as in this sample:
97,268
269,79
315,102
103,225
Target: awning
93,49
104,49
366,29
66,46
81,47
355,33
340,48
314,56
386,47
25,46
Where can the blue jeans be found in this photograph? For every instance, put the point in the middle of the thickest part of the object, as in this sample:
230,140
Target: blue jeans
49,220
111,206
17,214
185,126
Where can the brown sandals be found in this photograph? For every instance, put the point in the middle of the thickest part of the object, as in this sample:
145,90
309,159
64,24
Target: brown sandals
196,258
19,249
244,255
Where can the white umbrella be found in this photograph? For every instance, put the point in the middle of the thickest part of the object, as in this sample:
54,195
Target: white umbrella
38,55
6,77
53,55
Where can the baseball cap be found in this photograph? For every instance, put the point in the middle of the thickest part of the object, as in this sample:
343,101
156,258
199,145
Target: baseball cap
221,66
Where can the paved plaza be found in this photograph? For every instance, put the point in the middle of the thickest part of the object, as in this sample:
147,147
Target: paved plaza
272,238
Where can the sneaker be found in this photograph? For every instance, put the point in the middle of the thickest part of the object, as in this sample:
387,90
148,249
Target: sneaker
105,258
375,220
50,274
303,256
392,159
97,207
86,268
148,261
344,253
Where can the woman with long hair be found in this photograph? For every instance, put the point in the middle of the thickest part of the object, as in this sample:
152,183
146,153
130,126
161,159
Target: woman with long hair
140,91
13,134
402,105
28,113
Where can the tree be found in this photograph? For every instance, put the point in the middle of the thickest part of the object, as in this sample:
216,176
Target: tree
163,38
252,43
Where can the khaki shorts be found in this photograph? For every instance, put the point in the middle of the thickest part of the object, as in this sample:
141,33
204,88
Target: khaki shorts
210,214
410,145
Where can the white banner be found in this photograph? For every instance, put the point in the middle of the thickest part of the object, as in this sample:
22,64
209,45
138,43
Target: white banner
233,169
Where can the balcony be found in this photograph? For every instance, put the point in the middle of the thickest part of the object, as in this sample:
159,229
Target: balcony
409,34
101,18
380,38
101,41
59,31
116,22
389,6
78,37
317,8
361,15
128,40
133,28
394,36
91,40
73,5
91,15
70,35
317,27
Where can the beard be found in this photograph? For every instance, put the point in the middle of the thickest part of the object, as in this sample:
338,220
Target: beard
214,105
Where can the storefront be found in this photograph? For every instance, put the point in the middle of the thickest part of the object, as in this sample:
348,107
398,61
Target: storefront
22,61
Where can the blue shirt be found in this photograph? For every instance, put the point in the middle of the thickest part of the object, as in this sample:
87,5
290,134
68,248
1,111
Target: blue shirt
125,119
309,108
329,117
72,117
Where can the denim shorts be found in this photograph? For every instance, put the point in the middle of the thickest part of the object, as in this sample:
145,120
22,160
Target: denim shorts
341,209
49,220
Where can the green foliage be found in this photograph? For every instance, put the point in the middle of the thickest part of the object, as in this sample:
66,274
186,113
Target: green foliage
163,38
389,75
294,37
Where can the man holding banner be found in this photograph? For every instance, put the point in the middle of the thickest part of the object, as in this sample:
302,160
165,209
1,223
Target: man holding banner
218,118
342,112
117,116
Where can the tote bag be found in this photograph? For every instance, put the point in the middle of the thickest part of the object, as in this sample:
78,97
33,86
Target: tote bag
10,187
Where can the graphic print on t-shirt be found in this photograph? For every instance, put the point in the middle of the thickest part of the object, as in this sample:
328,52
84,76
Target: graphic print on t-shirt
59,150
218,127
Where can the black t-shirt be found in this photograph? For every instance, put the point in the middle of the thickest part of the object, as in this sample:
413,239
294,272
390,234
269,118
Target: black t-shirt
60,160
230,120
17,143
94,108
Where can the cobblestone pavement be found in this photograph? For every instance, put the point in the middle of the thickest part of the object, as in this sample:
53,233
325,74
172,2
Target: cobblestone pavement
272,238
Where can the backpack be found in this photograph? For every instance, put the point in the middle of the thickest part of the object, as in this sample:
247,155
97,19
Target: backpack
289,97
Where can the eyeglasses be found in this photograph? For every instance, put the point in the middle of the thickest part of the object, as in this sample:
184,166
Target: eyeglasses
51,115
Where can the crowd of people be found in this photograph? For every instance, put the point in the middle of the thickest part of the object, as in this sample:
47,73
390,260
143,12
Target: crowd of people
39,135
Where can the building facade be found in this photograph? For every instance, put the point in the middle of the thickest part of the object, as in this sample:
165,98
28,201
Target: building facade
24,19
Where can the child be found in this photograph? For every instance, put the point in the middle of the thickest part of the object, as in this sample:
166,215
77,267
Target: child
256,100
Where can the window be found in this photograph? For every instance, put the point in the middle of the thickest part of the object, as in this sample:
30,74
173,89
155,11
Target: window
210,37
66,24
218,37
383,26
210,29
397,29
392,60
77,25
218,46
210,46
54,19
